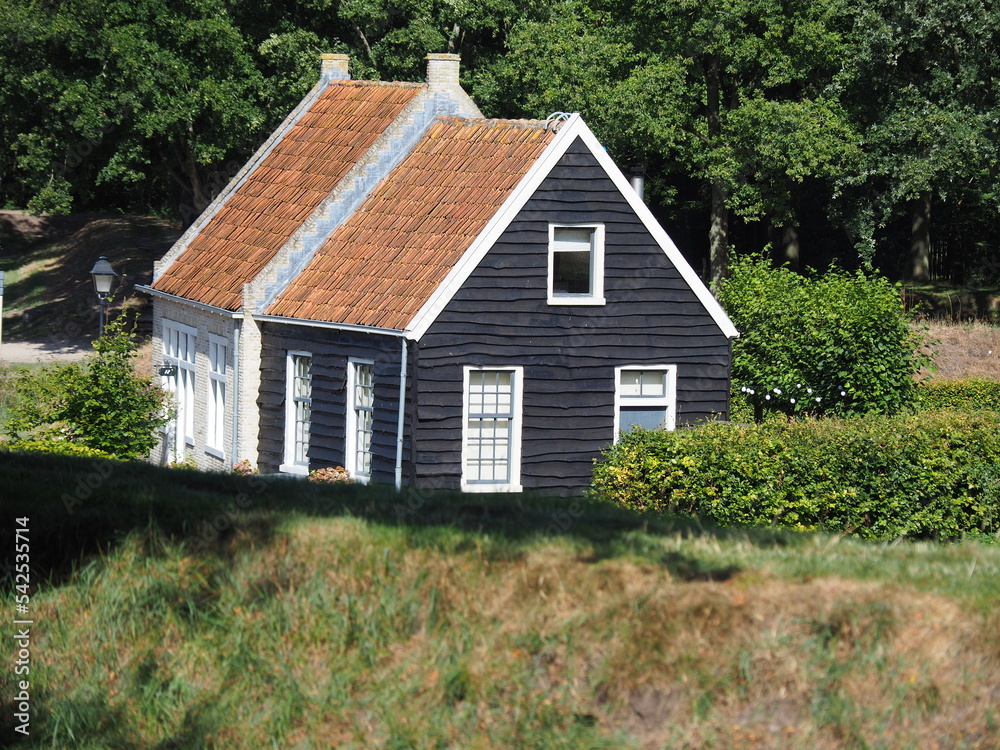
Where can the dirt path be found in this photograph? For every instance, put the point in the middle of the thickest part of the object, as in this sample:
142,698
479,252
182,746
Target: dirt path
22,352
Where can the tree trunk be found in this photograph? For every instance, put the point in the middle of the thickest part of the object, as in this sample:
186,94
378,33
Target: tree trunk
920,239
718,232
788,248
718,235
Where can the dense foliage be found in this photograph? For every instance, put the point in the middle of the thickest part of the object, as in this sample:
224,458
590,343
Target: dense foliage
836,343
827,128
929,474
101,404
970,393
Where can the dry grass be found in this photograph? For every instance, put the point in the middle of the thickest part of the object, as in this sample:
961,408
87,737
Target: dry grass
968,350
346,633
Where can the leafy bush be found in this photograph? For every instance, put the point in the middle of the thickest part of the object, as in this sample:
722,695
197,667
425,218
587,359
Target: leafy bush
929,474
968,394
831,343
102,404
57,447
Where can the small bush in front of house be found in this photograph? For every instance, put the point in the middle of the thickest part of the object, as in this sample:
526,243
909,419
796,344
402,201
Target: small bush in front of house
102,403
330,474
969,394
933,474
831,343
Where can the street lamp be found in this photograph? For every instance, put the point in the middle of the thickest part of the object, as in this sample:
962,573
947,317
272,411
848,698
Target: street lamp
104,278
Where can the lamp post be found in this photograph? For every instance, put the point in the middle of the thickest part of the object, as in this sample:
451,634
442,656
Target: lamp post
104,278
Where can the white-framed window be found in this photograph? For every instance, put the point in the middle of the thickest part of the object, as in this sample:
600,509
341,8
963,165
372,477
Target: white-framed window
218,350
179,343
298,412
360,418
491,429
645,396
576,264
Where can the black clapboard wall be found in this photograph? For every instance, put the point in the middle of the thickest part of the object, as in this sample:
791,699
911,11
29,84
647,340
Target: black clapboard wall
501,317
331,351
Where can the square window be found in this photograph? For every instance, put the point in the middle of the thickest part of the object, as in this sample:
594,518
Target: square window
645,396
576,265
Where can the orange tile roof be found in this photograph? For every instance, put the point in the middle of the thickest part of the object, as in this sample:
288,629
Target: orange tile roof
288,185
381,266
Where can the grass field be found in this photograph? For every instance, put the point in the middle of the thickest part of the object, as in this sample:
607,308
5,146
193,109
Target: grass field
178,609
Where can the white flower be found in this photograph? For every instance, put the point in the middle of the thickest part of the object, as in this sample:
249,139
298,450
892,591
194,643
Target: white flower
793,400
767,397
778,391
809,390
843,393
818,399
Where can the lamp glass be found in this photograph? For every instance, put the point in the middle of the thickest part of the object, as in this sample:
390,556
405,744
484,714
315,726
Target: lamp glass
103,275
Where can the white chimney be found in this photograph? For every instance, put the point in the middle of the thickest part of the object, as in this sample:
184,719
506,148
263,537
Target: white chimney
334,67
442,71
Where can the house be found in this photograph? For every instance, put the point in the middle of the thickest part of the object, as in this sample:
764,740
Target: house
395,284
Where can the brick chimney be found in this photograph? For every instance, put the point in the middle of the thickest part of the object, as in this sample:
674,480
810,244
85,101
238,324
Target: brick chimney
442,71
334,67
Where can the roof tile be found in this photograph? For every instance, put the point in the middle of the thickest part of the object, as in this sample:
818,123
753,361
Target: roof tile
384,263
283,191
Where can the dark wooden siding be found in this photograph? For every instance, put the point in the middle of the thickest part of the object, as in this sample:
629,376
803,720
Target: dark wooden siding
331,351
501,317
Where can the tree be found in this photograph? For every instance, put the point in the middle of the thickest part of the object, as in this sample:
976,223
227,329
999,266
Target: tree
101,404
144,98
737,93
921,83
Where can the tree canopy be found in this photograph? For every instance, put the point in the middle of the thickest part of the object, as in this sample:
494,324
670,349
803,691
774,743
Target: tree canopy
820,129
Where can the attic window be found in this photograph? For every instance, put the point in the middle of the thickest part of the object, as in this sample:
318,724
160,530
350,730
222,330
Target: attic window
576,264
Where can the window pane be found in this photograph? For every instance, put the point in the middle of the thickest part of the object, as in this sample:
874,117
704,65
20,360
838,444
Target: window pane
571,273
643,383
489,427
648,418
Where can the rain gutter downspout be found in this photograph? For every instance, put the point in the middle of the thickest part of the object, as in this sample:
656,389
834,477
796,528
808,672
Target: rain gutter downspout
234,457
401,418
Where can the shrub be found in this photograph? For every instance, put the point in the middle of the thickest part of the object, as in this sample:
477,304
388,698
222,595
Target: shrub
970,394
930,474
102,403
832,343
330,474
56,447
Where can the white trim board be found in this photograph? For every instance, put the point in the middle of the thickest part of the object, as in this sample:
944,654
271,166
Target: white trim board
572,129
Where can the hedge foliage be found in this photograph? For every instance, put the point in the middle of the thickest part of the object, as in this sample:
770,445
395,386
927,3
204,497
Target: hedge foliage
970,394
835,342
932,474
57,447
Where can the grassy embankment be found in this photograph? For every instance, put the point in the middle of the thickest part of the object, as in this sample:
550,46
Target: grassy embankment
322,616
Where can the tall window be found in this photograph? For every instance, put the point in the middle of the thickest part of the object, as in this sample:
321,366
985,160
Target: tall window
179,343
215,438
491,445
298,413
645,396
576,265
360,417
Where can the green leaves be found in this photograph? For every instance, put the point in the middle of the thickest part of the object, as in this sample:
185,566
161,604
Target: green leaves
843,337
933,474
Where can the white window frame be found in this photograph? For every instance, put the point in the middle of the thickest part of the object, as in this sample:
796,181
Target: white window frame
181,386
352,422
218,369
293,465
596,294
513,483
668,400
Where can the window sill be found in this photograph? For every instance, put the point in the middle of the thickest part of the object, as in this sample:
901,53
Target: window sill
483,488
215,453
577,301
296,469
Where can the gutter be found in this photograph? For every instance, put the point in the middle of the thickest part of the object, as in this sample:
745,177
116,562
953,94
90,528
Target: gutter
335,326
400,422
185,301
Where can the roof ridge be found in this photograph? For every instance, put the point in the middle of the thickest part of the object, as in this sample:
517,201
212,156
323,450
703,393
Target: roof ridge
496,121
358,82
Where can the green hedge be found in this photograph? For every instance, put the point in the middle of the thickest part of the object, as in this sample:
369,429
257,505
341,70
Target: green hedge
932,474
969,394
56,447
